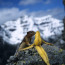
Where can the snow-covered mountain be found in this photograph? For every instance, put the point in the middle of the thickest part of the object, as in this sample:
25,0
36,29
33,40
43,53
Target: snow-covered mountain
14,31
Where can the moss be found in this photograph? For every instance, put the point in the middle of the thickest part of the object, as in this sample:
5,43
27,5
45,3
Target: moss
63,64
61,50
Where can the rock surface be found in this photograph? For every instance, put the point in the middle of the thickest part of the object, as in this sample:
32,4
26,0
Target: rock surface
31,57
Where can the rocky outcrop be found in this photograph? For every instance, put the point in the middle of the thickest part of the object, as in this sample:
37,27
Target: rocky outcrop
63,35
31,57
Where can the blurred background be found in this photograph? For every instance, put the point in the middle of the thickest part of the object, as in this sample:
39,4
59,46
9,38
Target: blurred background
17,17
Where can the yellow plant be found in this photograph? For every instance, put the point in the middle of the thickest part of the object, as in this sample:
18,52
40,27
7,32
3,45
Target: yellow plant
37,44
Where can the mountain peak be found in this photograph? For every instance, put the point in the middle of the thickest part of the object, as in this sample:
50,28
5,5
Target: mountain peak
17,29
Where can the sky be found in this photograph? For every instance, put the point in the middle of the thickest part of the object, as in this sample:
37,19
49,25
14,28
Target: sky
13,9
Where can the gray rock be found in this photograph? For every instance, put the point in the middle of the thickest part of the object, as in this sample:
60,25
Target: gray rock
31,57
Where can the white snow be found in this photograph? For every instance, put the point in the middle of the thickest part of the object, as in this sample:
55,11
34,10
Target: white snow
47,26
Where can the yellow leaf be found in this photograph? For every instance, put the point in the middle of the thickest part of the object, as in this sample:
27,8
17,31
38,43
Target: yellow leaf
43,54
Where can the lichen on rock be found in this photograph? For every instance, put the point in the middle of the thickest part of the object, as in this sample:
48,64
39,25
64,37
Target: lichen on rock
31,57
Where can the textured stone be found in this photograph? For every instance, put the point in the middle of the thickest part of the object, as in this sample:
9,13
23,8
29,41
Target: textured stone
31,57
